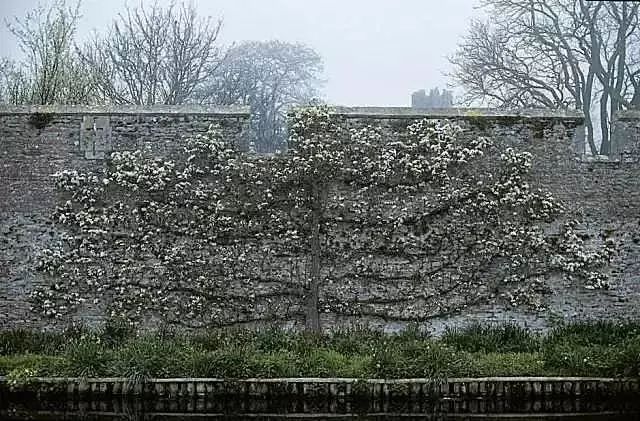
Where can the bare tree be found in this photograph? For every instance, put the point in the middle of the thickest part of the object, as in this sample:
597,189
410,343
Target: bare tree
555,54
14,83
154,55
51,71
269,77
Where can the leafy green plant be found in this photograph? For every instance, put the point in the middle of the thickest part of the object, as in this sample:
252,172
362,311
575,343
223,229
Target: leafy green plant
599,332
150,356
116,331
481,364
87,358
326,363
41,365
276,364
479,337
20,341
231,362
20,376
628,361
273,339
358,340
358,353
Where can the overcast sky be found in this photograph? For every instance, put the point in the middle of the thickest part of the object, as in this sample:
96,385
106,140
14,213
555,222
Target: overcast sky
376,52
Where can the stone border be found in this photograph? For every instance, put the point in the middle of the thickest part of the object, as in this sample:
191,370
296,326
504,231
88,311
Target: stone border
124,110
464,113
302,388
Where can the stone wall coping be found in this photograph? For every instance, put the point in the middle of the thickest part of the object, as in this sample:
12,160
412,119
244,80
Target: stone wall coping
325,387
332,380
627,115
492,113
234,111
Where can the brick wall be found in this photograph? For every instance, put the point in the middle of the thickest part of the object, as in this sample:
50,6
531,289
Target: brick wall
36,142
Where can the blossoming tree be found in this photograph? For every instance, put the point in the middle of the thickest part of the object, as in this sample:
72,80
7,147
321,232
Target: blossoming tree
351,222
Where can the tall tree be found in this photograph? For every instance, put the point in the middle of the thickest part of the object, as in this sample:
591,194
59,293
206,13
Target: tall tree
270,77
554,53
154,55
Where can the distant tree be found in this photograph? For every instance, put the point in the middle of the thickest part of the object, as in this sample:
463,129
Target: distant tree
270,77
14,83
555,54
435,99
154,55
51,71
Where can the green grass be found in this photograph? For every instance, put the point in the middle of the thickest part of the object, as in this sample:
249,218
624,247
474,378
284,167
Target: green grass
580,349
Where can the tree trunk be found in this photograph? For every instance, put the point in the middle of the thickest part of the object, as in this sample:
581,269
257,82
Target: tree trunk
635,101
604,124
586,110
312,322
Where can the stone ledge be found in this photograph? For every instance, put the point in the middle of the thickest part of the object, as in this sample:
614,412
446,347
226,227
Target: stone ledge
124,110
331,387
461,113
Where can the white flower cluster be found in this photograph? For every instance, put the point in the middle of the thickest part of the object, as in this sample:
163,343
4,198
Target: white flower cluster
211,232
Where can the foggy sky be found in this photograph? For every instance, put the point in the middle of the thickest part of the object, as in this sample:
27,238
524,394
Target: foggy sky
375,52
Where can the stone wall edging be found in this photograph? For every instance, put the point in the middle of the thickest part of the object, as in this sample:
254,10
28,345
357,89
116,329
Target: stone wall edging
458,113
301,388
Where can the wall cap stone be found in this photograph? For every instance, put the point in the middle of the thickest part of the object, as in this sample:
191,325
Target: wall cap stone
235,111
517,379
298,388
492,113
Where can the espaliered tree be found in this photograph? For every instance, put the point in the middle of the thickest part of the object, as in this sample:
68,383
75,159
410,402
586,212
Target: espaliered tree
352,222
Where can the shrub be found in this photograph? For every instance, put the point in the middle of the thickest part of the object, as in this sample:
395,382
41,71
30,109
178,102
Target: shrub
87,358
40,365
213,339
595,360
499,364
414,359
326,363
151,356
628,363
412,333
596,349
21,341
486,338
355,341
274,340
276,364
428,359
116,331
231,362
587,333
